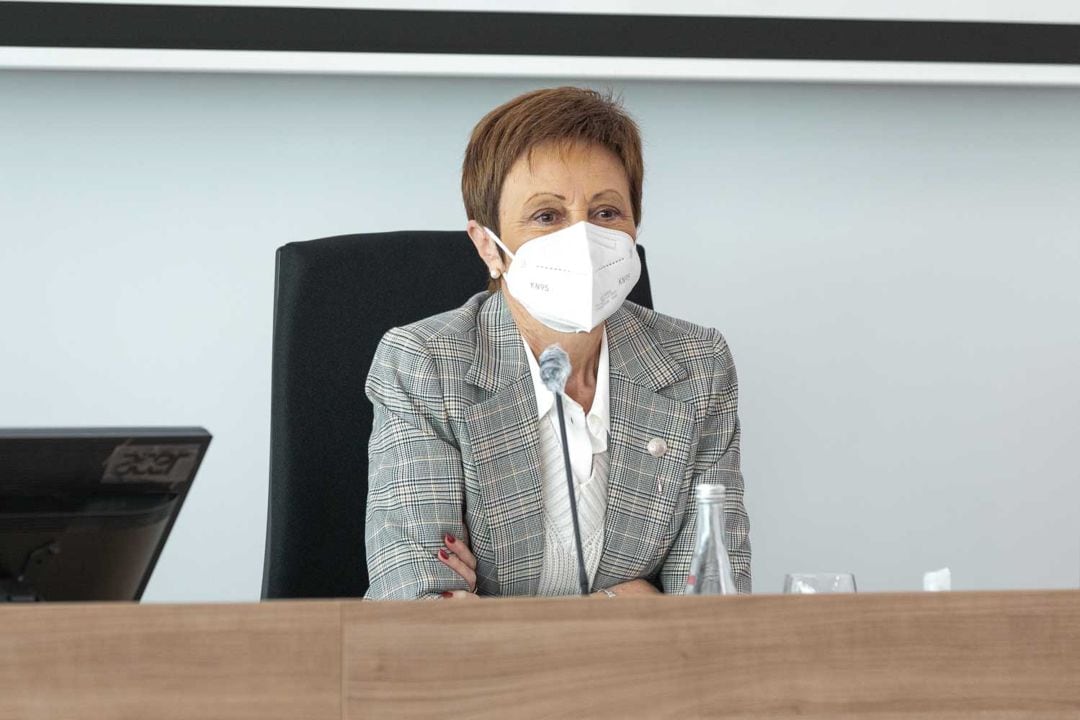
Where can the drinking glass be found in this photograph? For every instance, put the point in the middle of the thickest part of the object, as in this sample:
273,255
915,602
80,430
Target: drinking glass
809,583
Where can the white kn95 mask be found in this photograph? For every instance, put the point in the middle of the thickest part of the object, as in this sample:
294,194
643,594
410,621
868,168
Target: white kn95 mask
573,279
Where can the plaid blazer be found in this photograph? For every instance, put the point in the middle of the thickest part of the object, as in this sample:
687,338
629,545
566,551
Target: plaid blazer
455,449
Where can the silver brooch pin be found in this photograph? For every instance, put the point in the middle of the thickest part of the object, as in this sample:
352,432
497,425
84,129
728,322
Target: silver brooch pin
657,447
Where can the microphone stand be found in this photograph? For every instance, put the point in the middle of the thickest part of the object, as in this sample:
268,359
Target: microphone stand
583,577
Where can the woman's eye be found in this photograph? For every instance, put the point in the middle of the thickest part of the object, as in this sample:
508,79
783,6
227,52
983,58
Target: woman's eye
608,214
545,218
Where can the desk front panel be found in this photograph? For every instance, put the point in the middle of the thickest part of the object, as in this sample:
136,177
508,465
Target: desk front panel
927,655
159,662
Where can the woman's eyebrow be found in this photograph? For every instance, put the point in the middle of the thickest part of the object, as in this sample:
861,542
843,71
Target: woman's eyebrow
545,194
611,191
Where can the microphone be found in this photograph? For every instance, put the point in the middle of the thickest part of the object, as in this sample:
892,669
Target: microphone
554,372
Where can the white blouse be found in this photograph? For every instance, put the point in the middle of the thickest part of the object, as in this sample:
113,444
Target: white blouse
587,438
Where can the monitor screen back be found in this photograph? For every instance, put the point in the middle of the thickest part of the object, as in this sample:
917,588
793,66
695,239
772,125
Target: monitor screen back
84,513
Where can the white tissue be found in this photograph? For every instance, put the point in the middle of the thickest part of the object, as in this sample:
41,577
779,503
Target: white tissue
937,580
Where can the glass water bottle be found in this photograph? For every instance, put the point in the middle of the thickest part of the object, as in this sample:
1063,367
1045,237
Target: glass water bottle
710,570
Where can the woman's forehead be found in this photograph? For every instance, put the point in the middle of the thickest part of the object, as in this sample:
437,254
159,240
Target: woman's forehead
558,168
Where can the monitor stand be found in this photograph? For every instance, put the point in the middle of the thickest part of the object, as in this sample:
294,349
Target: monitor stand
16,589
12,590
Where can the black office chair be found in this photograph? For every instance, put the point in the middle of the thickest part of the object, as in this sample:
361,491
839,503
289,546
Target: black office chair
334,300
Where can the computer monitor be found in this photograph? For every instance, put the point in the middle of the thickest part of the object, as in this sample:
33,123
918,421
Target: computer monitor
84,513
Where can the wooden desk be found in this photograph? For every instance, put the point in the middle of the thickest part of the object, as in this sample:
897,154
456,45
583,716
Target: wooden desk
949,655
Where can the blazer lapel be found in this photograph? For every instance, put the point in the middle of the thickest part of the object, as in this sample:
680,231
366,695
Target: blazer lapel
643,486
504,437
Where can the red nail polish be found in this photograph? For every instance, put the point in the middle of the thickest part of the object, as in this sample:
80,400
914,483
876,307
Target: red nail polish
450,539
443,554
447,594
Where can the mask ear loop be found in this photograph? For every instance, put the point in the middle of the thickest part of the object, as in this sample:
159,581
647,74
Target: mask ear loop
495,273
499,242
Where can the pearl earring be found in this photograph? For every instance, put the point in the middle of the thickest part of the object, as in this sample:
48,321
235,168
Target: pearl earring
495,274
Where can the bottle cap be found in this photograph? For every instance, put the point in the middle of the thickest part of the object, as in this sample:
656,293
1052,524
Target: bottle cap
710,491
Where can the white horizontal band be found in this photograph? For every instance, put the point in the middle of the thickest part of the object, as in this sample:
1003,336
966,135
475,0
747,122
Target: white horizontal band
532,66
1031,11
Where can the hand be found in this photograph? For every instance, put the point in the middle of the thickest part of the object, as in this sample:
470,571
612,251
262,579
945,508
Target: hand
457,556
630,588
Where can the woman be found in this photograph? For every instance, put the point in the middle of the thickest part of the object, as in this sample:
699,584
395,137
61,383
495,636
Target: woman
467,486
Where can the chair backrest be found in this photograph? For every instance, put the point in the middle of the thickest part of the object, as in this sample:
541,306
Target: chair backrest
334,300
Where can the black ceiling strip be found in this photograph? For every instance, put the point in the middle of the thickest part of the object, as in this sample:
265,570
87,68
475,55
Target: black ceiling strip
194,27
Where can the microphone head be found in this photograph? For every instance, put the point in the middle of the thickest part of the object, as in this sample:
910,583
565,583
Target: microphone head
554,368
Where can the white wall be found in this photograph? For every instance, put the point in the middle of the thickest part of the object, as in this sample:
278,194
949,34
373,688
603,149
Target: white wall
895,267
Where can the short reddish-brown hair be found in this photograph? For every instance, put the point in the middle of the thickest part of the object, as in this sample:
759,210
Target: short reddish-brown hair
560,115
